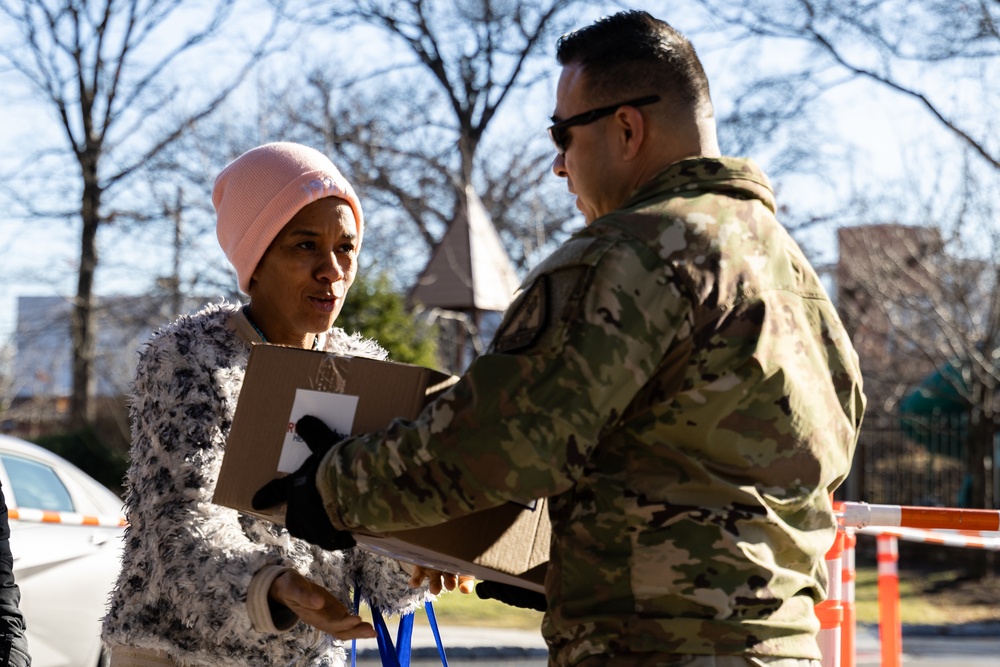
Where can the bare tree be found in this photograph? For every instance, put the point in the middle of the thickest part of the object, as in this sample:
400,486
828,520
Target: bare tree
105,70
10,383
944,55
198,269
925,298
411,128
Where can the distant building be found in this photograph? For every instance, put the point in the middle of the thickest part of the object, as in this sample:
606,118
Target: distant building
44,346
881,269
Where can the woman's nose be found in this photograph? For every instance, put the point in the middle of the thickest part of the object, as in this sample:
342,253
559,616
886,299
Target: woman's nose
330,270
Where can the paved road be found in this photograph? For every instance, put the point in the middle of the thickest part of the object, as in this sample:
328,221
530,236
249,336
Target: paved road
498,647
924,650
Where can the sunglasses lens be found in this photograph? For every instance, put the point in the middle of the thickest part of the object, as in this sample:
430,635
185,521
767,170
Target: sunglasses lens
560,137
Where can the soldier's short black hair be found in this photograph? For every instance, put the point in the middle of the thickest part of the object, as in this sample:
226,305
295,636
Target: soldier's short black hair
630,54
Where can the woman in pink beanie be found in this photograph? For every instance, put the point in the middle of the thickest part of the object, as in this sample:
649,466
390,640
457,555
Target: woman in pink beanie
201,584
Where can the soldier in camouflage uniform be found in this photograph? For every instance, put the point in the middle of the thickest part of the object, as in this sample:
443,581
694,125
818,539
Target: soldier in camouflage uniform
674,378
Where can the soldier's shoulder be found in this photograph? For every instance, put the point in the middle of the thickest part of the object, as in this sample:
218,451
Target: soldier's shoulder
584,247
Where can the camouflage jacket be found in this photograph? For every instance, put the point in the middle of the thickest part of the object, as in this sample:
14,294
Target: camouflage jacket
676,380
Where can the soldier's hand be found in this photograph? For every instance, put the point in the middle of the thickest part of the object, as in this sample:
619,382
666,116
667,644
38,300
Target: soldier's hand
438,580
305,515
515,596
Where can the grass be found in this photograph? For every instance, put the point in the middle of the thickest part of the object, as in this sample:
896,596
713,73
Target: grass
929,597
459,609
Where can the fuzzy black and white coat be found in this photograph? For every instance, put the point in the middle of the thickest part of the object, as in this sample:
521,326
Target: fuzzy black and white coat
188,563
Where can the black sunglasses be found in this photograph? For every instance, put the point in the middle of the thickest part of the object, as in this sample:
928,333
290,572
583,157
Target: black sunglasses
558,132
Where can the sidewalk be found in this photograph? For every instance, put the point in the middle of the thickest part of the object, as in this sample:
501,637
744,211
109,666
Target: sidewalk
970,645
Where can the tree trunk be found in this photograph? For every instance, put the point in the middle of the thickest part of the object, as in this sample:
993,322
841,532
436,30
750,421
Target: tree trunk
982,432
82,408
981,563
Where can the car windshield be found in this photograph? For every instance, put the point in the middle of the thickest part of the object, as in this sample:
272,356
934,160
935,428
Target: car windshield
36,485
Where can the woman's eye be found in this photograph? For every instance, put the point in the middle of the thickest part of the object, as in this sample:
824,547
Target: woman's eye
346,247
307,245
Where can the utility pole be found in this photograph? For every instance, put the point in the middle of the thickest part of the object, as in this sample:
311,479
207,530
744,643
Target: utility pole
175,282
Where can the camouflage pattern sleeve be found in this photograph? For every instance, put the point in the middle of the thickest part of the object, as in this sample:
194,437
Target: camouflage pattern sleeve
583,336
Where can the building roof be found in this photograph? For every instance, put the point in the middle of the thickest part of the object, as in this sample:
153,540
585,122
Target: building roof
469,270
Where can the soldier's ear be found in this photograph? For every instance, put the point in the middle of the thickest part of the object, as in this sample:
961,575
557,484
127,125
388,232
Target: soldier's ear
630,132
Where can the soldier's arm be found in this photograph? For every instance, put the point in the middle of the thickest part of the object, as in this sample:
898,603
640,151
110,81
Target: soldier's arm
521,423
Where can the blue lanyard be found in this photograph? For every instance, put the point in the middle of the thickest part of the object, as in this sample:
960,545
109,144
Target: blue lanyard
398,655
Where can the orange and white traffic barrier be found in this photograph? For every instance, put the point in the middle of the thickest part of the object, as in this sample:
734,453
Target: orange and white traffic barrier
830,612
946,526
65,518
889,622
974,539
861,515
848,578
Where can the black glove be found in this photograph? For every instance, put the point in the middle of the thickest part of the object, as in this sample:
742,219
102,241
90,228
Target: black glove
305,516
515,596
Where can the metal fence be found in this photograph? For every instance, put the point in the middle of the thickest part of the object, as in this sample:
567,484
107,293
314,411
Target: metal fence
906,460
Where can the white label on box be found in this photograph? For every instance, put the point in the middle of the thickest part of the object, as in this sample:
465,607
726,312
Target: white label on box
336,411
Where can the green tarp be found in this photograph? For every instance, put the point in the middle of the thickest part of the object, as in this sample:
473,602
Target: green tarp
934,414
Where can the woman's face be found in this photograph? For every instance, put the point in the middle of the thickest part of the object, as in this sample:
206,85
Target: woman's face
299,285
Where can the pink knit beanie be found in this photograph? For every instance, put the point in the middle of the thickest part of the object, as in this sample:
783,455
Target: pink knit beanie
261,190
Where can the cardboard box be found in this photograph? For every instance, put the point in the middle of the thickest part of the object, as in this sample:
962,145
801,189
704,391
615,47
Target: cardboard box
354,395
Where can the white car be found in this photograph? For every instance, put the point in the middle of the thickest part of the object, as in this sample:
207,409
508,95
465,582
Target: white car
66,538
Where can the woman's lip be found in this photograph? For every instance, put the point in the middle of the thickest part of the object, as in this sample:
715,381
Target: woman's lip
323,304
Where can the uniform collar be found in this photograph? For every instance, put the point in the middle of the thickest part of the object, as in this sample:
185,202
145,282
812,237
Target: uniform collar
740,176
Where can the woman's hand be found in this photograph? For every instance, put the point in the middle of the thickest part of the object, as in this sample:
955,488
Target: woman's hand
318,607
438,580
